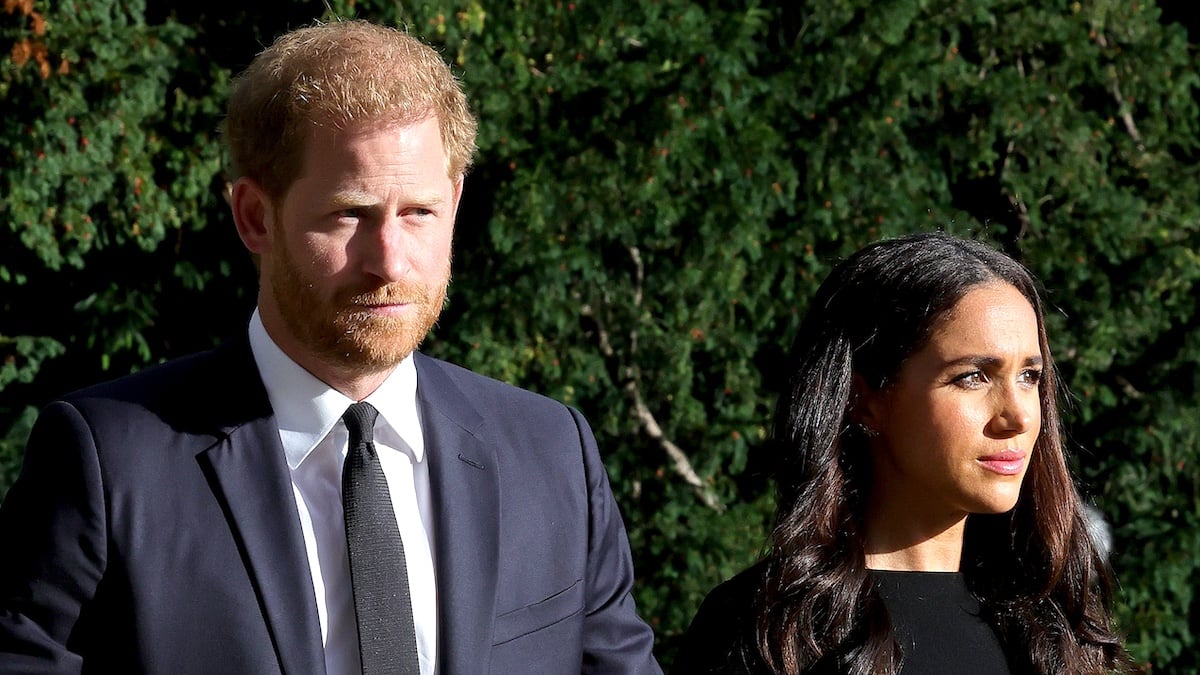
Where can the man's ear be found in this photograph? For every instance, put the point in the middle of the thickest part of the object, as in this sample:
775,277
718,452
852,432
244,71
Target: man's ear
253,213
458,190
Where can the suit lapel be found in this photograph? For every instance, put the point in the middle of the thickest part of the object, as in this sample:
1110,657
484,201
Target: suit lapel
466,504
248,472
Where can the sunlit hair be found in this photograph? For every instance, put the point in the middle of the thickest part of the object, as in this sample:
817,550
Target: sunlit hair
1042,583
333,75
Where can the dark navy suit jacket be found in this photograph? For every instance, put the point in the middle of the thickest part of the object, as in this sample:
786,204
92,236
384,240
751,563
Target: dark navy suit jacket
153,529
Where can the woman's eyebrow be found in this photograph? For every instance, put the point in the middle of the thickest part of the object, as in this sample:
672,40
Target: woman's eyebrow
983,361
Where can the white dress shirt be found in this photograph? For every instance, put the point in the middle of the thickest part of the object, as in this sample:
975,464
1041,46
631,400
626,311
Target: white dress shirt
315,440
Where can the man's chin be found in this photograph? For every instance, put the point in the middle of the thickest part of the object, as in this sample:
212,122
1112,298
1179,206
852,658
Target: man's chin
375,348
367,363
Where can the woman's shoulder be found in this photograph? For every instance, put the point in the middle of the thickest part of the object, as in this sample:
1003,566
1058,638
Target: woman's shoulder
721,638
737,593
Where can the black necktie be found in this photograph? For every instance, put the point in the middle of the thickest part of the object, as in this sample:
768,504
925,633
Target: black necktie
387,638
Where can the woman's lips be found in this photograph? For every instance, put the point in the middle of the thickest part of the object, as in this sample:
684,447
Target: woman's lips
1007,463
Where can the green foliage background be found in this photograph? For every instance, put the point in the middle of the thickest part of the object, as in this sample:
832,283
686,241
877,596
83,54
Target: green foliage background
660,187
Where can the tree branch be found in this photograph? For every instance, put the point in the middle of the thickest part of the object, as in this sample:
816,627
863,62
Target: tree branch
1017,204
680,462
679,459
1114,88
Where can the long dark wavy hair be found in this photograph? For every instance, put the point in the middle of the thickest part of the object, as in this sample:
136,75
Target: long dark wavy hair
1042,583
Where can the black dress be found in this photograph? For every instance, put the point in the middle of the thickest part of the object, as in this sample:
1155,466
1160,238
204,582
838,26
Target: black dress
935,618
938,625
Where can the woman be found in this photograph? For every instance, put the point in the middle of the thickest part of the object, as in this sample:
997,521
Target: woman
926,519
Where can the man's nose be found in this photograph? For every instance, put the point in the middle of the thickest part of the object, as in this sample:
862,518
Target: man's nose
385,250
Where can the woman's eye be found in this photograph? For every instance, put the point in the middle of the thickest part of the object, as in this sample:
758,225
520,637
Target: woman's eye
1031,377
970,380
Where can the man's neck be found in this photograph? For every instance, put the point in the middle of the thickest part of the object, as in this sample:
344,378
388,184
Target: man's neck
353,381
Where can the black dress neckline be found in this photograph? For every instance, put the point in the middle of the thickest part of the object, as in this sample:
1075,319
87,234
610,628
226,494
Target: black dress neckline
939,624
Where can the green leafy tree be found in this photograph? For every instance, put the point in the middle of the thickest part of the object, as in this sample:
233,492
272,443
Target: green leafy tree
661,186
90,188
116,250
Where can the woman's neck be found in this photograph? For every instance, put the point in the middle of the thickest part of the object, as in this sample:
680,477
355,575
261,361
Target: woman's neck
899,538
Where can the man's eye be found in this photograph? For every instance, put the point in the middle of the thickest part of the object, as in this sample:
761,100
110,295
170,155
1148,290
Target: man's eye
350,213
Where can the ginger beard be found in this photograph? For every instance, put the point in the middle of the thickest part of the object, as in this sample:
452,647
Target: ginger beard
342,329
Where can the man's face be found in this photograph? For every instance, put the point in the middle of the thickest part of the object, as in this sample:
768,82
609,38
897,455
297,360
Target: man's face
358,260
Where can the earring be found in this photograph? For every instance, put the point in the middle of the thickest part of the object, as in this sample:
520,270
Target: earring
866,430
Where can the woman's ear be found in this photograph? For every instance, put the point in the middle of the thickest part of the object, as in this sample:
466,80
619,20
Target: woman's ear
870,406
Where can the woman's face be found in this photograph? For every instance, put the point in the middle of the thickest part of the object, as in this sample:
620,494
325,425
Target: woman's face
956,428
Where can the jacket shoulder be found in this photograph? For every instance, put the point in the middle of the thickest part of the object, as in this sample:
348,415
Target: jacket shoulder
486,391
198,393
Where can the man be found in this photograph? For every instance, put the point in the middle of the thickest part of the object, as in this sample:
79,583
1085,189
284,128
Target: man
190,518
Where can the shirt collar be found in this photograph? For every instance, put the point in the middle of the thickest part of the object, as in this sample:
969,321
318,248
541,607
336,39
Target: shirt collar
306,409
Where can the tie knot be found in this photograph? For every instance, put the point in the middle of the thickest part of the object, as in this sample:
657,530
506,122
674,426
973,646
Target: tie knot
360,422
